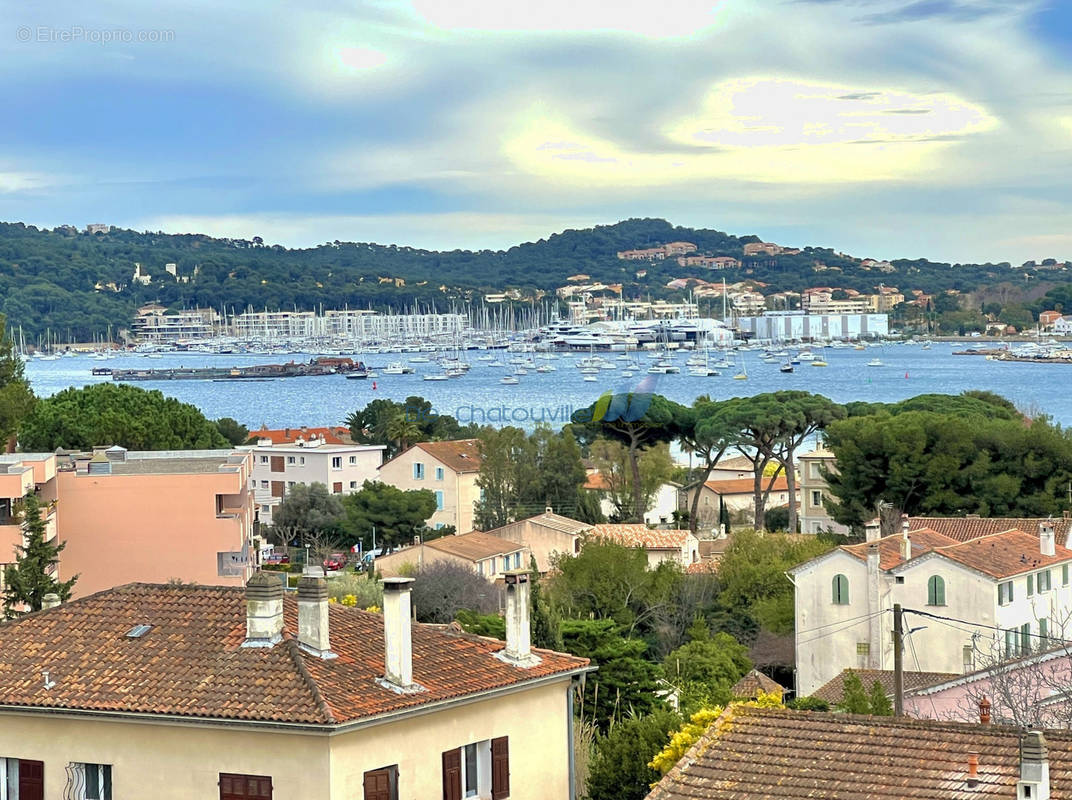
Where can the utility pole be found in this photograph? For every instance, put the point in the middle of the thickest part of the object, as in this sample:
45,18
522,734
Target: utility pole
898,666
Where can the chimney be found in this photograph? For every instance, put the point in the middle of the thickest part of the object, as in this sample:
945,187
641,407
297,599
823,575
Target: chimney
1047,539
50,600
973,770
874,607
518,650
904,525
548,510
1034,767
264,611
313,616
397,635
906,543
984,711
873,530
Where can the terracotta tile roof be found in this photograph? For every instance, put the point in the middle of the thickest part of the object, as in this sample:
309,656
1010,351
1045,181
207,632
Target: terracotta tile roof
889,547
833,690
191,662
1002,555
714,548
335,434
462,455
597,481
474,546
702,567
745,485
638,535
754,682
964,528
739,463
774,754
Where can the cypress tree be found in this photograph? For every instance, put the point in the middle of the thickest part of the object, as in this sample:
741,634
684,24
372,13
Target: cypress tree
27,581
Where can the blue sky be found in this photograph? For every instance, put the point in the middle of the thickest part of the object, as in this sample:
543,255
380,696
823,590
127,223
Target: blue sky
884,128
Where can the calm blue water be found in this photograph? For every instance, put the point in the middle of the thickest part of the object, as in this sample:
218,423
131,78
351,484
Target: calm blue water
552,396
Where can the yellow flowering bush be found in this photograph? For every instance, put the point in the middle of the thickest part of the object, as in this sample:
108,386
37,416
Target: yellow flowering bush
684,738
374,609
349,600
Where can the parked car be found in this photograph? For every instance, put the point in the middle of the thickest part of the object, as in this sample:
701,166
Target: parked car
276,558
335,562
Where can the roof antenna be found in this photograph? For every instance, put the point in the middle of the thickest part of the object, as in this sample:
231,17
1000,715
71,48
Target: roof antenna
48,682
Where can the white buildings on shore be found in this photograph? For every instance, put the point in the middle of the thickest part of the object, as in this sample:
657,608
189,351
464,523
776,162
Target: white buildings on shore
787,325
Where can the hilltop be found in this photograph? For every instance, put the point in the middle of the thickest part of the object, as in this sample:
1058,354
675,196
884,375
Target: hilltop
79,283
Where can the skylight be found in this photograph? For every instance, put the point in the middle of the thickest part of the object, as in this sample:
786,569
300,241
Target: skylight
138,631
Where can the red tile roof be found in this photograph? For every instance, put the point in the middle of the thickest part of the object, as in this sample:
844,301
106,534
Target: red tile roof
336,434
597,481
889,547
775,754
462,455
191,662
745,485
833,690
638,535
964,528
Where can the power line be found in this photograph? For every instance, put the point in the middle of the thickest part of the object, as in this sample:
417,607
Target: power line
844,626
1020,632
841,621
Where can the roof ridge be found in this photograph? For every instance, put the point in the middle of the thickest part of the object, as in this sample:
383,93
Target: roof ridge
296,656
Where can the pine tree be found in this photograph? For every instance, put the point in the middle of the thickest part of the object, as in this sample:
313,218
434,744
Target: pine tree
545,622
27,581
880,701
16,398
854,698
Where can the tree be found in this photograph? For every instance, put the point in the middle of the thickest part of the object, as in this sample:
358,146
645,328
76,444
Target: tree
619,769
16,398
545,622
490,625
625,682
396,515
442,589
120,414
708,431
232,430
505,476
29,579
855,699
637,420
705,669
307,510
402,431
614,464
398,425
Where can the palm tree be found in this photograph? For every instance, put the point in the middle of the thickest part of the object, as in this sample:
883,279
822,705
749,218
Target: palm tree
403,431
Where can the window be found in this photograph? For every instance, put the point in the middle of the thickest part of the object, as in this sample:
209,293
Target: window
265,509
290,484
480,567
506,563
89,781
301,461
969,658
816,498
439,526
480,769
336,488
1044,581
418,471
291,459
517,560
439,500
1025,638
382,784
336,462
21,779
1011,649
863,648
935,591
245,787
353,460
1030,585
841,590
353,484
1044,633
1004,593
1064,574
439,473
264,484
264,459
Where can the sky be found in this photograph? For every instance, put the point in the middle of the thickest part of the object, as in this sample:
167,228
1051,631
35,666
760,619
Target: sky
881,128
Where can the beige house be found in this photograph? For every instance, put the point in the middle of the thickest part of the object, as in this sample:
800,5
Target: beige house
545,535
449,470
483,553
737,495
678,546
814,492
176,692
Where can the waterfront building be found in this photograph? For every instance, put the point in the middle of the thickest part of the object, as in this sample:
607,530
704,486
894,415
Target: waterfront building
176,692
275,325
370,325
1008,592
308,459
155,324
449,470
797,325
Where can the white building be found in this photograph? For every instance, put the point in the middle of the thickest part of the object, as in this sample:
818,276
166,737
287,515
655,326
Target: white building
1007,592
783,325
343,468
1063,325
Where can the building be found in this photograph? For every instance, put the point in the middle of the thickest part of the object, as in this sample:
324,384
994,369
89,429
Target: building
545,536
1047,318
785,325
678,546
265,325
777,754
833,691
97,227
737,495
330,434
732,468
155,516
178,692
762,248
963,529
837,307
664,502
1062,326
1008,592
155,324
658,253
343,468
753,683
486,554
448,469
22,474
885,301
815,492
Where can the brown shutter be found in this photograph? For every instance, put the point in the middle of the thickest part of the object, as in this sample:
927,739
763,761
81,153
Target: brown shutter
452,774
378,784
278,489
500,768
245,787
336,488
277,464
31,780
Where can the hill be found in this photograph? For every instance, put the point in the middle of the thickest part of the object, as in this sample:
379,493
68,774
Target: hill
78,284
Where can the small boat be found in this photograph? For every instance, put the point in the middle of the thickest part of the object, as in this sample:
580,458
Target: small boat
509,380
703,372
521,371
627,374
787,367
419,360
398,368
545,368
663,368
875,362
590,379
436,377
806,355
819,363
859,347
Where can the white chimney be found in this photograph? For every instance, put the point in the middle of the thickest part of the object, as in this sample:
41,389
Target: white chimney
264,611
905,525
50,600
1034,781
313,616
518,649
398,635
1047,539
906,546
873,530
874,607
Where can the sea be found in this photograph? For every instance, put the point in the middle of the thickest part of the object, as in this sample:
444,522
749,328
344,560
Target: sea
551,397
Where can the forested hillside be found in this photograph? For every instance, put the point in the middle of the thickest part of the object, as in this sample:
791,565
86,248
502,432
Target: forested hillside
78,284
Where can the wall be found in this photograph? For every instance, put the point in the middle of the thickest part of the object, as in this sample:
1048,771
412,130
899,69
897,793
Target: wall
168,762
460,492
542,542
815,518
536,722
149,528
